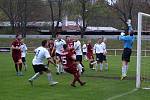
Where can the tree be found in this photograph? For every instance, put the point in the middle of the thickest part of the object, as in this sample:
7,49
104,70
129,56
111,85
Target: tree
84,16
15,10
123,8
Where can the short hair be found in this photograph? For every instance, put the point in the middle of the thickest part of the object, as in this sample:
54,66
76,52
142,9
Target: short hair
67,37
51,39
57,34
17,35
65,46
44,42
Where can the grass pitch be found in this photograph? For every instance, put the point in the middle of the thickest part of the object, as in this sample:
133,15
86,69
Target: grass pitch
104,85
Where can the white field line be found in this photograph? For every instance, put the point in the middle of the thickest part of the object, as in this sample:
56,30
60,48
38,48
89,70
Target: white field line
123,94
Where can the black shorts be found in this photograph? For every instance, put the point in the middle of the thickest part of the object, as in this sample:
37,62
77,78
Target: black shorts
126,54
39,68
84,53
99,57
23,59
104,58
79,58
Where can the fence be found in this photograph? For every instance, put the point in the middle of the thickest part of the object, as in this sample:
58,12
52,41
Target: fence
114,52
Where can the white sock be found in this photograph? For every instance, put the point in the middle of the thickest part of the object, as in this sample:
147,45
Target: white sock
79,68
123,71
36,75
93,62
86,57
106,66
61,68
58,68
96,67
101,66
49,76
126,69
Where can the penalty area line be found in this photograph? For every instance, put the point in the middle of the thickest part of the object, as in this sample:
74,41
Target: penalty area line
123,94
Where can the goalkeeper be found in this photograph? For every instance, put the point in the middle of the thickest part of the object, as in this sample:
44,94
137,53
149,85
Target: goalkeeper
128,39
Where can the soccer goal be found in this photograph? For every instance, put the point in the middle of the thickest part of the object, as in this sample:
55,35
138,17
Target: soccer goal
143,51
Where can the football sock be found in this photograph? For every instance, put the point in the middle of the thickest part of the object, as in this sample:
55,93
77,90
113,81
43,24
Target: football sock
16,67
61,68
49,76
93,62
96,66
101,66
36,75
123,70
58,68
79,68
90,64
20,67
126,68
106,66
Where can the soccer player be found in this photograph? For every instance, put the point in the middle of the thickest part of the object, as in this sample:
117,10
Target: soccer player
78,52
16,55
128,39
84,50
23,53
90,53
104,54
50,48
58,47
69,42
99,50
41,53
68,60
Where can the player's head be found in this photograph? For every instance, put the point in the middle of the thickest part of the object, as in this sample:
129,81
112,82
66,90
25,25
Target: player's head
104,40
65,46
58,36
67,38
44,43
131,33
76,38
89,41
50,40
99,40
22,40
83,42
18,36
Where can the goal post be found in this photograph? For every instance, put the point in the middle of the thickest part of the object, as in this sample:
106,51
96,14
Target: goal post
139,40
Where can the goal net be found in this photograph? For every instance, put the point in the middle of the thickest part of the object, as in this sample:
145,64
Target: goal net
143,51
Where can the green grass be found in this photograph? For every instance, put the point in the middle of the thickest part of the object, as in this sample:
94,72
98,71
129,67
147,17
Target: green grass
97,87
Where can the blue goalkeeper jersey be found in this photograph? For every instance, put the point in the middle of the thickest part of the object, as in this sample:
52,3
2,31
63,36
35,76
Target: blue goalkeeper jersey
128,40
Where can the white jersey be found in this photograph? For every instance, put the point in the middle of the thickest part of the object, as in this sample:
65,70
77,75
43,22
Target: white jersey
40,54
59,45
84,48
98,48
23,50
104,45
77,47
